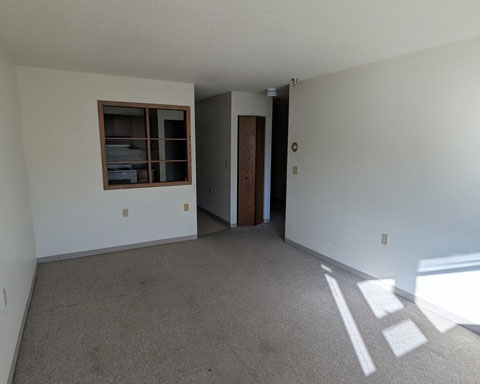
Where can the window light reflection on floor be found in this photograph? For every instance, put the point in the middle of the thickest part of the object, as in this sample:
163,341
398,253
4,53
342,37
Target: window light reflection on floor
364,358
380,297
404,337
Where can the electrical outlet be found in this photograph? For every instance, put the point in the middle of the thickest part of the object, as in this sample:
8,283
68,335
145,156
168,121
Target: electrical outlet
295,170
5,297
384,239
186,207
125,212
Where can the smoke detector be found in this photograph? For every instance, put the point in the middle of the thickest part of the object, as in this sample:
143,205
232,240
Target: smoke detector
271,92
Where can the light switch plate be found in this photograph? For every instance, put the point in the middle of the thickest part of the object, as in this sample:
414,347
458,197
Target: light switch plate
125,212
384,239
295,170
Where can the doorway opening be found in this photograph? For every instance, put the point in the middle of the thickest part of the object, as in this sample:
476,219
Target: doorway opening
213,151
279,159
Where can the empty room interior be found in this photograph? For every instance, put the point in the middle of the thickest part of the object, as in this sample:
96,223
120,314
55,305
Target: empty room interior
249,192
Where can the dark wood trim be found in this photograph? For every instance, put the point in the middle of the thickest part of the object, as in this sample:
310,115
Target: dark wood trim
169,161
147,185
169,138
149,148
189,144
146,161
102,145
141,105
125,138
128,162
148,139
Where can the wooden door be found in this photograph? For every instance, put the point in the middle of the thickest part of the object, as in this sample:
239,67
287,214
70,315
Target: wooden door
251,143
259,169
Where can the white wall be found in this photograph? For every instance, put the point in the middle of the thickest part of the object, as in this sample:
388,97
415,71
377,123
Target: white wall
213,123
393,147
250,104
17,248
71,211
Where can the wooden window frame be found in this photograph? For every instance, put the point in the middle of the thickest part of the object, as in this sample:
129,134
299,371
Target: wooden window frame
149,161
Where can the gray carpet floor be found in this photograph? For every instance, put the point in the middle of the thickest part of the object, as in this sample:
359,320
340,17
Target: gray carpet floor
238,306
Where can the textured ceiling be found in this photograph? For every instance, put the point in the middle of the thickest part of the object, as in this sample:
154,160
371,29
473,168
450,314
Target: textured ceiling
222,45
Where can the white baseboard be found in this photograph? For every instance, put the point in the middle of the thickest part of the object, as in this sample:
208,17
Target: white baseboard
400,292
125,247
22,327
265,221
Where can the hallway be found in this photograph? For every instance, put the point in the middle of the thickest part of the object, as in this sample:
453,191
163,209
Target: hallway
206,224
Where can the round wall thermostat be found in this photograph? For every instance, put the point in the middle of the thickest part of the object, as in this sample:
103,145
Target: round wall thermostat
294,147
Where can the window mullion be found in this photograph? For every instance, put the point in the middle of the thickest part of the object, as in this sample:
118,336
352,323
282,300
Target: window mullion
149,154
